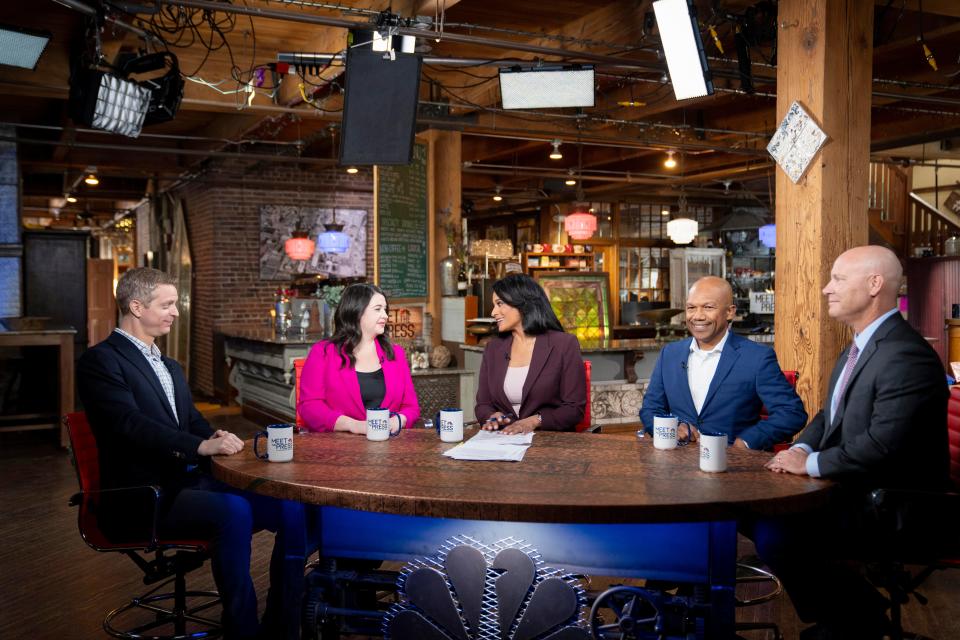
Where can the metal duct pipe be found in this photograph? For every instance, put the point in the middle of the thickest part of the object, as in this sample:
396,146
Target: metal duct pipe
171,151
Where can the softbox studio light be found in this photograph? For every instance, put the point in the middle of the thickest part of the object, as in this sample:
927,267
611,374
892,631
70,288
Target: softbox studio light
105,101
379,107
545,87
683,47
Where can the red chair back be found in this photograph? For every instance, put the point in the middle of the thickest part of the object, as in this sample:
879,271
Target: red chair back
585,423
86,460
953,431
791,377
298,371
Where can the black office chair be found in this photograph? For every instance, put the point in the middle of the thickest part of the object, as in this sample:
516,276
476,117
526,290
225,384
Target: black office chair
933,542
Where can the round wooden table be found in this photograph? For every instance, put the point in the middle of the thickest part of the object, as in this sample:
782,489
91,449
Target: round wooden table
607,505
563,478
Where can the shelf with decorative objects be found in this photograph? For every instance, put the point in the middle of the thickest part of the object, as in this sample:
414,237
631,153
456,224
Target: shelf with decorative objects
558,261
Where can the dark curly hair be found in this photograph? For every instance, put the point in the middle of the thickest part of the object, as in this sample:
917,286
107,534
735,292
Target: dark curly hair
353,302
522,292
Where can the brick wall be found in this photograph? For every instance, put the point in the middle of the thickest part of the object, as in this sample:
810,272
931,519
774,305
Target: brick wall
223,220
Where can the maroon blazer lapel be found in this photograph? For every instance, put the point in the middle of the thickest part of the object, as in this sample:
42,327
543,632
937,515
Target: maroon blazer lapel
541,353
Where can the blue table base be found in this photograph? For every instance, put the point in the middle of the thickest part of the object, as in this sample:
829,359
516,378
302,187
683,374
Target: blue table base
699,553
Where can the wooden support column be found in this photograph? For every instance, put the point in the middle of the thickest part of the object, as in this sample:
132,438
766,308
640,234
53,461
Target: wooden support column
824,60
443,184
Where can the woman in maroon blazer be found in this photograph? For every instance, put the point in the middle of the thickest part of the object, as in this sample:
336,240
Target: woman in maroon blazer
531,376
357,369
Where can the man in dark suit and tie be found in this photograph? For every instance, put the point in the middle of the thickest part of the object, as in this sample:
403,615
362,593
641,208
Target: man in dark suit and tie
883,424
717,381
149,432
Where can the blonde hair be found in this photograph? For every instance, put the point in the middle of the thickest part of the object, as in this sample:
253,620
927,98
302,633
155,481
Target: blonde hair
140,284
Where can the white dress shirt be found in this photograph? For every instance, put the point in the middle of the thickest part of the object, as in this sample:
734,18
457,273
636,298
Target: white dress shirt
701,366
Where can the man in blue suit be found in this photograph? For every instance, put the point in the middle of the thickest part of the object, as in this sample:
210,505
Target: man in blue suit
717,381
149,432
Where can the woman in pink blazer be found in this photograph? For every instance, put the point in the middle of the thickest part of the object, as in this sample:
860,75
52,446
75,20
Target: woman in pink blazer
357,369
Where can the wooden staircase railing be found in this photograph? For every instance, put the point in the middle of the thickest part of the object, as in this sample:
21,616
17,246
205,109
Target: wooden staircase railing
926,227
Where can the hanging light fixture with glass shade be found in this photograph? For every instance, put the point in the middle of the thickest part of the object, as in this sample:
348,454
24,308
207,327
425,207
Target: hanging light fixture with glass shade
496,193
683,229
768,235
334,240
580,225
299,246
670,162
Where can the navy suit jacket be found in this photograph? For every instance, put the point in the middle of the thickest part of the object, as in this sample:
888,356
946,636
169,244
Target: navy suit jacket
889,428
138,439
748,377
556,384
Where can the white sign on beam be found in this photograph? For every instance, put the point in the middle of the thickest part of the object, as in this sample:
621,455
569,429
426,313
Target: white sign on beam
796,142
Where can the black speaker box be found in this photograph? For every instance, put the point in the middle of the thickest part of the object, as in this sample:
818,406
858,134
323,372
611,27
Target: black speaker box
380,107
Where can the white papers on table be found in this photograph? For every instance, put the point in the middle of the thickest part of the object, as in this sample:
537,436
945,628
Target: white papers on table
492,445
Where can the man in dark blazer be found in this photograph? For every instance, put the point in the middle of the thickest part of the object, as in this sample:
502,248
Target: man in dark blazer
717,381
883,424
149,432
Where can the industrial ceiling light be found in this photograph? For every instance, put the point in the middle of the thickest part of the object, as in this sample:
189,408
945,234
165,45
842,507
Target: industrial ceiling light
670,162
352,170
70,198
546,87
665,211
571,180
22,48
683,48
90,176
496,194
555,154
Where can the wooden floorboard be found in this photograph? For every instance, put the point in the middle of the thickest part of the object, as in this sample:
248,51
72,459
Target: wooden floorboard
54,586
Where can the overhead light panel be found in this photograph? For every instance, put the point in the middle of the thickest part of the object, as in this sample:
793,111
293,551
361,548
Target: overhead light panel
683,48
546,87
21,48
555,154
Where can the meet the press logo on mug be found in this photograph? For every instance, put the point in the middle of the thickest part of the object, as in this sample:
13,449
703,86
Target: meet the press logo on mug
704,453
283,444
664,431
446,426
378,425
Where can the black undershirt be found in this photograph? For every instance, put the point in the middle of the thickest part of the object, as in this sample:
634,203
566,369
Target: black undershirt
372,388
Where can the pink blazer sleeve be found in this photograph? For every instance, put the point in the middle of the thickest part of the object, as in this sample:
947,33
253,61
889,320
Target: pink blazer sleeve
321,402
407,402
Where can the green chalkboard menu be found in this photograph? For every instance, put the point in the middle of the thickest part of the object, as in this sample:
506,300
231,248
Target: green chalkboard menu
402,214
